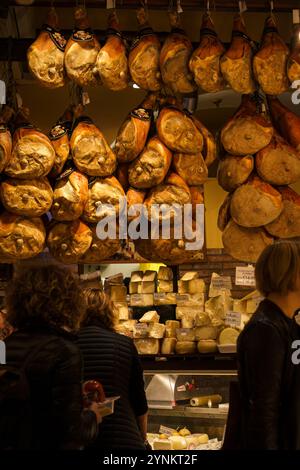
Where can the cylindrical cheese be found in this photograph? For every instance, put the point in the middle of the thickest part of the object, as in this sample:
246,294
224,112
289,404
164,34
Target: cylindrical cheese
157,330
207,346
206,400
168,346
185,334
206,332
185,347
171,327
228,336
178,442
147,346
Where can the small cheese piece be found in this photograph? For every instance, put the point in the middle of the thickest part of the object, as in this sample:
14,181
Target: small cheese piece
150,317
196,286
185,334
206,332
228,336
146,287
185,347
202,319
194,440
162,444
157,330
118,293
136,276
178,442
188,320
207,346
147,346
171,327
165,274
164,286
168,346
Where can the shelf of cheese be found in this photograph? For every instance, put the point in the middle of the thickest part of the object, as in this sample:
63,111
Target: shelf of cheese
191,412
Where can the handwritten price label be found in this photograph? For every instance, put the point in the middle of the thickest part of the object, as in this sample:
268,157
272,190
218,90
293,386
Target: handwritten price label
244,276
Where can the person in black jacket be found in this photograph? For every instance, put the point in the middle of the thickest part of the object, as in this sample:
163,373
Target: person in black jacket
268,370
44,305
112,359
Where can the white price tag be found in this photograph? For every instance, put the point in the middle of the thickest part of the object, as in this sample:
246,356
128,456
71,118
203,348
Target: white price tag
166,430
110,4
159,296
244,276
179,8
136,298
85,98
296,16
221,282
233,319
242,6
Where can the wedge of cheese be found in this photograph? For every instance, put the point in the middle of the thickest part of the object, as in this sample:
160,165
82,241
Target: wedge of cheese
150,317
228,336
156,330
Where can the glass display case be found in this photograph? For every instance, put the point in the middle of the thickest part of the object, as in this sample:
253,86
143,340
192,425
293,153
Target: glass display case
189,393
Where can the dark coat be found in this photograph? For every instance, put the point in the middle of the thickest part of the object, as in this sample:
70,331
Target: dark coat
54,375
113,360
269,381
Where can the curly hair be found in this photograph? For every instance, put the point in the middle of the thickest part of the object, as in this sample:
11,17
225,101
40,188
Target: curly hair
45,295
99,309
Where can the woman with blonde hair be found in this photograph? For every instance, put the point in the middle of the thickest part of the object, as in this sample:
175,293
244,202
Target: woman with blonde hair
112,359
269,376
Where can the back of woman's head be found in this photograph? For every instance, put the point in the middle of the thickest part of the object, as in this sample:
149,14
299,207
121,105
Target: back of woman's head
45,295
278,268
99,309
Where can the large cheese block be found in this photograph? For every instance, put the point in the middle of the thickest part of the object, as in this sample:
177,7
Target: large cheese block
150,317
219,305
126,327
207,346
149,275
122,310
185,347
287,225
165,274
255,203
141,300
146,287
164,286
165,298
228,336
202,319
147,346
157,330
171,327
141,330
168,346
206,332
134,287
188,321
196,286
118,293
136,276
185,334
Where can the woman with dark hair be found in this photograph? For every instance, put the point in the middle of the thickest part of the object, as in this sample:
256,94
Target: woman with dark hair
44,306
269,377
112,359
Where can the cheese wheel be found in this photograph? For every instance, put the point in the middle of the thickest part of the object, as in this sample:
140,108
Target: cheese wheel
228,336
168,346
207,346
206,332
171,327
178,442
185,347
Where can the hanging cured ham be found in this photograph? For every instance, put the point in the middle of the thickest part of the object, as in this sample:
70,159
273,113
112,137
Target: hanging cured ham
174,58
278,163
255,203
293,65
248,131
46,55
205,60
270,62
59,136
151,166
70,196
30,198
144,55
178,131
112,59
5,137
224,213
191,168
245,244
233,171
134,197
286,122
91,153
32,153
133,133
20,237
236,63
100,249
104,199
68,241
209,150
287,225
81,51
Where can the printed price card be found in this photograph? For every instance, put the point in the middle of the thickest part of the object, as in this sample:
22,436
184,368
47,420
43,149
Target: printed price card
244,276
233,319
